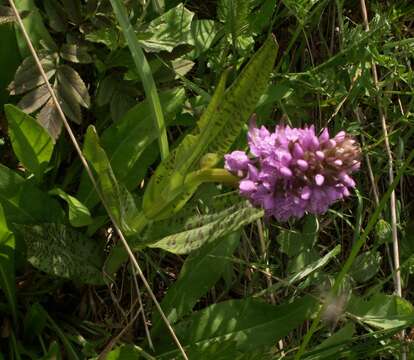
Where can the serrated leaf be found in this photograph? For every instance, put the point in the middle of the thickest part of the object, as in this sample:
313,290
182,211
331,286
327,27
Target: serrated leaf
56,15
31,143
236,326
23,203
201,270
35,99
7,268
75,53
61,251
70,106
6,15
168,30
79,214
73,85
218,127
207,228
73,9
50,119
28,76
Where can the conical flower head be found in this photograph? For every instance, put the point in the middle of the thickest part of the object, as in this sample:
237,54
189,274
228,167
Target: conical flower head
293,171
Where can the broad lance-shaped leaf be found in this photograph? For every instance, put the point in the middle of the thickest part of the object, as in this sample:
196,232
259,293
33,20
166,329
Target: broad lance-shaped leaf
62,251
201,270
7,270
24,203
242,325
217,129
119,201
31,143
186,219
129,144
208,228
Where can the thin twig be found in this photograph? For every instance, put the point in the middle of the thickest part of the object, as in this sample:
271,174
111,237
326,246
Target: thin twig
393,206
92,178
390,164
113,341
144,319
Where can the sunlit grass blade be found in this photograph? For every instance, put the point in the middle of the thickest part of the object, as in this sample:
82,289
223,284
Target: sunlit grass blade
144,71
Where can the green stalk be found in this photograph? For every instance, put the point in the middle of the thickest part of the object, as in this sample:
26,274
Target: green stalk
354,252
144,72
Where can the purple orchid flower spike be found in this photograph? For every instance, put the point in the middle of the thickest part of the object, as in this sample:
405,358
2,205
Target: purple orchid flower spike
294,171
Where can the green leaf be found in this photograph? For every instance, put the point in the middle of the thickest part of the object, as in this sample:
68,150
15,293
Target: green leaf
79,214
74,10
202,35
167,31
201,270
128,352
301,275
75,53
382,311
383,231
34,26
293,242
300,8
242,325
23,203
109,36
366,266
234,15
61,251
334,343
145,74
207,228
117,198
34,321
218,127
7,268
126,140
56,15
54,352
9,63
129,143
31,143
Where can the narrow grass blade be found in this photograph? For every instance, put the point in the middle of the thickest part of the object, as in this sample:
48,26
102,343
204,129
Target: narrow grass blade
144,71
